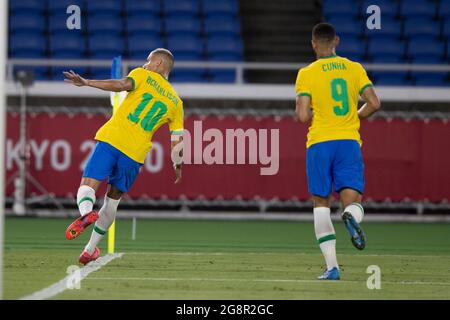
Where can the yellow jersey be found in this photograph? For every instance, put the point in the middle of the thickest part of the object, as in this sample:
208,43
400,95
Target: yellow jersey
334,84
151,103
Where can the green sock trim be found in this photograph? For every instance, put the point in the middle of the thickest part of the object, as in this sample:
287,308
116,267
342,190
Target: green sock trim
358,205
99,231
86,199
327,238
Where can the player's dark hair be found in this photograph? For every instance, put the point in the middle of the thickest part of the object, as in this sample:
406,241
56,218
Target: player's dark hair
167,55
323,32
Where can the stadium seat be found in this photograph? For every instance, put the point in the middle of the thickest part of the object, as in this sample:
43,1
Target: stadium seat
104,7
390,47
391,78
188,75
222,76
346,27
144,25
30,43
444,9
391,29
223,8
57,72
224,45
437,79
418,8
106,23
389,8
26,21
57,24
138,7
60,6
100,73
346,9
105,46
421,27
352,48
182,26
446,29
139,46
219,26
27,6
426,48
186,45
181,8
226,57
39,73
65,46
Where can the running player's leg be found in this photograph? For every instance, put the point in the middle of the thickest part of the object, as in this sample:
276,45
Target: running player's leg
318,165
98,168
348,175
121,179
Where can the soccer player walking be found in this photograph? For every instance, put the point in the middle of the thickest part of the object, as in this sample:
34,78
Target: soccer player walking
123,142
327,94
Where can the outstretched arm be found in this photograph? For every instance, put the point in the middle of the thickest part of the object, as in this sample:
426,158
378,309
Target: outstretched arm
372,103
125,84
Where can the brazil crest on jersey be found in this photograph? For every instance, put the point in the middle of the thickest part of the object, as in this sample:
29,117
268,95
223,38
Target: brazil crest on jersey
151,103
334,84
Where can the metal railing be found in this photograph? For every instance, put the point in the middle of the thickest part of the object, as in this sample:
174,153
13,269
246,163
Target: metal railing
238,67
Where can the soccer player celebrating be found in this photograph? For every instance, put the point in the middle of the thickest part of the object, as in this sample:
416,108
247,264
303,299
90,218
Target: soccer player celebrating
124,140
327,93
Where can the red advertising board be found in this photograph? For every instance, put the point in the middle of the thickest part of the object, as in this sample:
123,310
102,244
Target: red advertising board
245,157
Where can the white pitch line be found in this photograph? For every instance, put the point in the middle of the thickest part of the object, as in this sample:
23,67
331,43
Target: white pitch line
263,280
61,285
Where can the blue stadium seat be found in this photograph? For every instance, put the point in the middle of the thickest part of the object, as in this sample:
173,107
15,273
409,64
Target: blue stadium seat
33,44
223,8
104,7
437,79
388,50
188,75
223,25
60,6
144,25
222,76
105,46
345,9
418,8
426,48
100,73
389,8
226,57
39,73
33,6
446,29
57,72
224,45
186,45
106,23
138,7
182,26
444,9
448,50
421,27
426,59
390,29
140,46
345,26
181,7
57,23
352,48
65,46
25,21
391,78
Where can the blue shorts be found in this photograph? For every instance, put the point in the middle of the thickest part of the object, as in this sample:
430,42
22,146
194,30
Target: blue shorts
336,163
108,162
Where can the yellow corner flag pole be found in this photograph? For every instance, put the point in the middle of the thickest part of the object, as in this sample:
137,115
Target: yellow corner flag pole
116,71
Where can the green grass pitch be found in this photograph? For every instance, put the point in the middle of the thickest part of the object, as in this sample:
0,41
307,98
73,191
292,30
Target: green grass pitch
230,260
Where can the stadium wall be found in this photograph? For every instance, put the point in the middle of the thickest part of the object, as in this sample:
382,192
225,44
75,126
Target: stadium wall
406,159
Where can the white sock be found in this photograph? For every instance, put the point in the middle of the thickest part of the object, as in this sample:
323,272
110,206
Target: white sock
325,235
85,199
107,214
356,210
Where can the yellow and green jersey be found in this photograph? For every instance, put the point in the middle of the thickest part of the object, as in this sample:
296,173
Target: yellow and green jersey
151,103
334,85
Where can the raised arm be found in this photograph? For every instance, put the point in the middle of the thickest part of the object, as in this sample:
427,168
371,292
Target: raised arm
372,103
125,84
